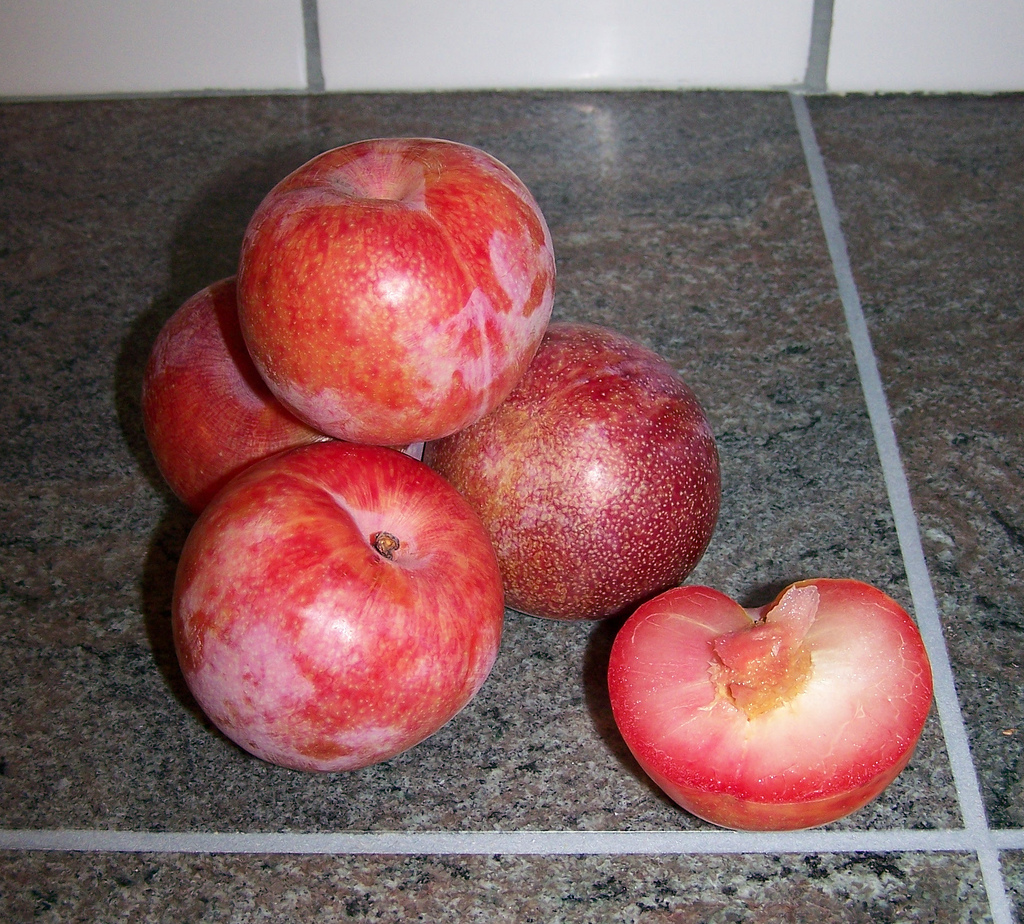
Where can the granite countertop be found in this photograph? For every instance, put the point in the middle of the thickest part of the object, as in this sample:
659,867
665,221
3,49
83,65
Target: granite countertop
685,220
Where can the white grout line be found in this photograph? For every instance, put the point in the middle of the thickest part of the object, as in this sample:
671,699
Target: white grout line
537,843
816,77
314,63
950,716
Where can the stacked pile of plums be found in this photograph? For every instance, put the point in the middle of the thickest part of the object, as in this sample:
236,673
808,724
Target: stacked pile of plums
386,440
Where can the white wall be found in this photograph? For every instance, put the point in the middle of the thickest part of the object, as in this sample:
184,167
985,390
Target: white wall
410,44
78,47
927,45
89,47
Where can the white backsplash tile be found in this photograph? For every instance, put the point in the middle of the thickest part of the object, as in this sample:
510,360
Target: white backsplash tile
54,48
922,45
462,44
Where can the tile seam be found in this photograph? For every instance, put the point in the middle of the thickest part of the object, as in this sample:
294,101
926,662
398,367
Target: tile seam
536,843
947,702
311,33
816,77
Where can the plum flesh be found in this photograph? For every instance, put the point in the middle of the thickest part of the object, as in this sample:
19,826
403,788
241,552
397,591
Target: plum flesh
779,719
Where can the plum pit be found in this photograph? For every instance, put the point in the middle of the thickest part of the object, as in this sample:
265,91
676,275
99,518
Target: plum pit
764,665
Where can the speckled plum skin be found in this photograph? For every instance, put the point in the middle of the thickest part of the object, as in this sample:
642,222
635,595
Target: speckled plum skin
830,746
310,644
206,412
598,478
393,291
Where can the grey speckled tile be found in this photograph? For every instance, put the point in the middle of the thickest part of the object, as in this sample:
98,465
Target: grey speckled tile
148,889
684,220
931,192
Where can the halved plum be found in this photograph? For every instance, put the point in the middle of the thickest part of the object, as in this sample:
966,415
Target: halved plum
780,718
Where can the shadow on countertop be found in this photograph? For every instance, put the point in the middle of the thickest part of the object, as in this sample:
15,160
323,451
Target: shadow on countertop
204,249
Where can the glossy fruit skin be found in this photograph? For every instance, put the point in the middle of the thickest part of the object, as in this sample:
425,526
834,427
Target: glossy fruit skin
826,752
207,413
394,290
307,646
598,478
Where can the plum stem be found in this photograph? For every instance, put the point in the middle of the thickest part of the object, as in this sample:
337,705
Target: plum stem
385,544
764,665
